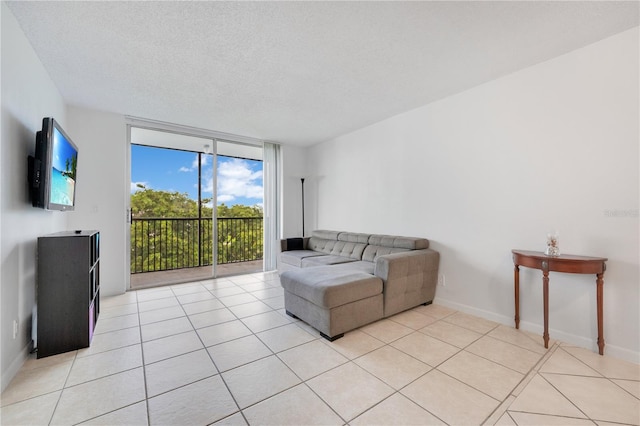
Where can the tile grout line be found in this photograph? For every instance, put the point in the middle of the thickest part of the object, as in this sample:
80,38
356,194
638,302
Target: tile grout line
486,334
113,374
610,379
513,395
397,391
566,397
144,368
432,368
273,353
240,410
55,408
204,347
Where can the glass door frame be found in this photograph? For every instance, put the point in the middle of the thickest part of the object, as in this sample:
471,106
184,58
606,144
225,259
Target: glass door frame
213,137
214,209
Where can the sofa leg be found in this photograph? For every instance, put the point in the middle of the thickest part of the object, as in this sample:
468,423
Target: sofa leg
291,315
424,304
331,339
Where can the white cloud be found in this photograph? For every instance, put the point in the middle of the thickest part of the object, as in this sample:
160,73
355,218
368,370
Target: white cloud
237,180
139,186
204,161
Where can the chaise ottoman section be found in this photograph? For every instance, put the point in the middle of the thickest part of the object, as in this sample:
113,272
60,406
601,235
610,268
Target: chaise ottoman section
333,301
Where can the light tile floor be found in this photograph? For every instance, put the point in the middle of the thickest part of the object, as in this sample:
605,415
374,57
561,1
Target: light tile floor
224,352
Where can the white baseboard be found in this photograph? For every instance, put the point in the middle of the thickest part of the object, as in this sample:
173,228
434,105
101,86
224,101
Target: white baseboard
492,316
572,339
13,369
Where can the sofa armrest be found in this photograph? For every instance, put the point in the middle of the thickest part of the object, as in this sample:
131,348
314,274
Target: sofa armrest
285,244
409,278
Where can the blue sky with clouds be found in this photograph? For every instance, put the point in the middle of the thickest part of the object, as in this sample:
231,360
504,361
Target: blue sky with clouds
239,180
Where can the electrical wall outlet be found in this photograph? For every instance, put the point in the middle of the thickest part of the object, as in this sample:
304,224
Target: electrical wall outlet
15,329
441,280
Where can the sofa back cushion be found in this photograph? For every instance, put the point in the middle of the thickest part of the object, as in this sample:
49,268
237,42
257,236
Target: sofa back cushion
325,235
353,237
321,245
322,241
337,248
349,250
380,245
345,244
358,246
409,243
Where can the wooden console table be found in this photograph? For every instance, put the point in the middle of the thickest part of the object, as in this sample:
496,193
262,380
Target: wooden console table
564,263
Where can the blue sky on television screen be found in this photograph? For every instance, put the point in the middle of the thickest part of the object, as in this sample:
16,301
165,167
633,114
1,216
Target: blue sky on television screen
239,180
63,152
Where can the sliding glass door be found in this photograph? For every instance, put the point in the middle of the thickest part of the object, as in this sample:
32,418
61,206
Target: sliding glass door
196,208
239,211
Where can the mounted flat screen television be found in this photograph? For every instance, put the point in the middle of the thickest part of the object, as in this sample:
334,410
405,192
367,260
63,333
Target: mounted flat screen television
52,171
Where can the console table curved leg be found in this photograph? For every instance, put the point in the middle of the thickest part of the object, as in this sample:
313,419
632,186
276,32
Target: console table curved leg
599,296
545,301
516,285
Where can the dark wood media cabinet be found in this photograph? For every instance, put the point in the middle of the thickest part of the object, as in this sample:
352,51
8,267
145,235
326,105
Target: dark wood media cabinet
68,278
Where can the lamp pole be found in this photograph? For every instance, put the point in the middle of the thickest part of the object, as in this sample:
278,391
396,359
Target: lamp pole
302,180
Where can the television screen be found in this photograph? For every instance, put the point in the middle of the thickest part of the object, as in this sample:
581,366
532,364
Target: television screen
64,161
52,172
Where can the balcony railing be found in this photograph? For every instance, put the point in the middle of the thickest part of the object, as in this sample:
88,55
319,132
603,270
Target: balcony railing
162,244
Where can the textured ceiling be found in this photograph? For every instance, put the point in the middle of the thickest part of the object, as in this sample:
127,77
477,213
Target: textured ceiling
297,72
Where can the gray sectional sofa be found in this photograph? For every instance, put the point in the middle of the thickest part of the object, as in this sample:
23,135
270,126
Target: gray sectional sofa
339,281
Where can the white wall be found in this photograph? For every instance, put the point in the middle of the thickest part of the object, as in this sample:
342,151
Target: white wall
294,168
551,147
28,95
102,190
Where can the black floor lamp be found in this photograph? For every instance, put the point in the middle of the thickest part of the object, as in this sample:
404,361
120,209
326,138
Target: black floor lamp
302,180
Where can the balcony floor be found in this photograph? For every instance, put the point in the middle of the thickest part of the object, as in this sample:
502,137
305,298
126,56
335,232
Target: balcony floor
175,276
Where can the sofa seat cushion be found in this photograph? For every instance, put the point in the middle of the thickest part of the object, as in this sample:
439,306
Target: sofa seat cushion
328,288
295,257
329,259
356,266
